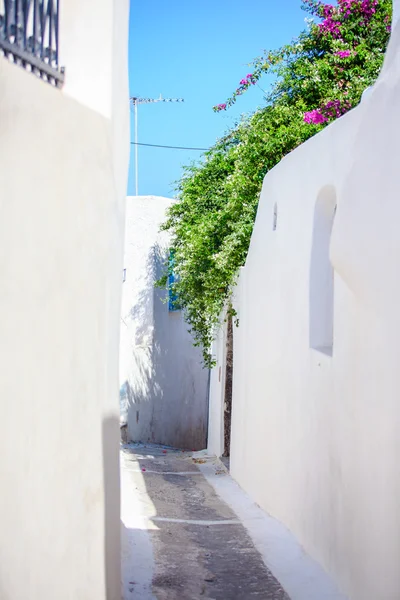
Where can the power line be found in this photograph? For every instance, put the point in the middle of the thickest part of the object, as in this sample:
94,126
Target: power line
174,147
136,100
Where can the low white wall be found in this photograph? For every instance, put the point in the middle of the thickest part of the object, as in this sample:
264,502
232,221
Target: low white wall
215,440
315,427
61,244
164,388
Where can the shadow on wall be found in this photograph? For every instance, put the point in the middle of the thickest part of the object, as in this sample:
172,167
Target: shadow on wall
143,387
163,402
141,317
111,482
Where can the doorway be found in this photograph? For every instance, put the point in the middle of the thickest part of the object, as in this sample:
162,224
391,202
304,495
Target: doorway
228,392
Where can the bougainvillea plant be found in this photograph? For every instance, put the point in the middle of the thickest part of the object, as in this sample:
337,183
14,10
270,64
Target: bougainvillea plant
318,77
334,55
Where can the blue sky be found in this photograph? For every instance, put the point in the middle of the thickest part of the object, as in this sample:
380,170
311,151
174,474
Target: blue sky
197,50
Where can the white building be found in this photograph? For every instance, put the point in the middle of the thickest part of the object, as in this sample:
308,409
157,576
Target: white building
64,154
164,388
316,380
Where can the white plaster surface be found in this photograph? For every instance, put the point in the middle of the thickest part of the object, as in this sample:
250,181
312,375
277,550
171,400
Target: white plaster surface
164,388
396,11
137,551
61,244
86,45
215,440
315,435
300,576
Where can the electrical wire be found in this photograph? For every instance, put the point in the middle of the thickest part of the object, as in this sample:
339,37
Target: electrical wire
173,147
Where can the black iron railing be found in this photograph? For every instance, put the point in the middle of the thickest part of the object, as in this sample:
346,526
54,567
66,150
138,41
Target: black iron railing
29,36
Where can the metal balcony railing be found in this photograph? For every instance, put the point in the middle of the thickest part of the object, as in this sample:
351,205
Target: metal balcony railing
29,36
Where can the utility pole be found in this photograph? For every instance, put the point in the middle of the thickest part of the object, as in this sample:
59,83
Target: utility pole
135,100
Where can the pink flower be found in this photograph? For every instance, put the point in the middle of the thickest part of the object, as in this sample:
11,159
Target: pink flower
314,116
327,10
331,110
364,8
330,26
343,53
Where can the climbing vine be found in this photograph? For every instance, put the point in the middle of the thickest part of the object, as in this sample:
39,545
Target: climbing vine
318,77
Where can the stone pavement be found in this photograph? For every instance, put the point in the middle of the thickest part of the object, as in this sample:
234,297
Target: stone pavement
180,540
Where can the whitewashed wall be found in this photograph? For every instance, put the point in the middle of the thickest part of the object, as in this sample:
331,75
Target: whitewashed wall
63,174
316,411
164,387
215,439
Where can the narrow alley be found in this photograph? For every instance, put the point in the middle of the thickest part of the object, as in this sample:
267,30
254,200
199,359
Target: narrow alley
200,291
196,547
189,532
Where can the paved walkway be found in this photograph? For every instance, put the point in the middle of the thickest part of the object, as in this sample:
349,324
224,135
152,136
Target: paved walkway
180,540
